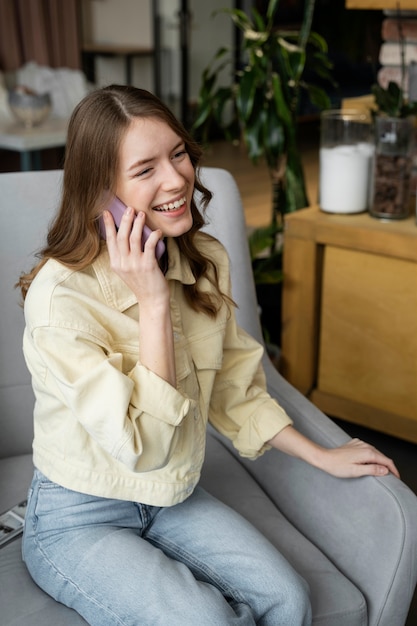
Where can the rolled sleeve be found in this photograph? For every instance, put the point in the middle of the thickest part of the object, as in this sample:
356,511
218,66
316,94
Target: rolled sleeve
241,406
261,428
155,396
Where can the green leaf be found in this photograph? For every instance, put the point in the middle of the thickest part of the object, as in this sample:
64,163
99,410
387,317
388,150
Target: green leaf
317,96
246,94
318,41
240,19
281,104
321,65
268,276
390,100
307,21
203,114
268,269
295,187
262,239
273,134
252,135
272,7
258,19
222,97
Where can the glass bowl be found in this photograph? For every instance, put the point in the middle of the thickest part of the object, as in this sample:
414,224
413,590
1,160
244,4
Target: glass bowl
28,107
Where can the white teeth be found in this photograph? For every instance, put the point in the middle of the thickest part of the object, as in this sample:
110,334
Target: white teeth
171,206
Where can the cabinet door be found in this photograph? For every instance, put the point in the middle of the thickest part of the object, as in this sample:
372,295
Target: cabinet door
368,330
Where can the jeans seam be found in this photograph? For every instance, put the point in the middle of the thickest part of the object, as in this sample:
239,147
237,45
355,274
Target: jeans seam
174,551
68,580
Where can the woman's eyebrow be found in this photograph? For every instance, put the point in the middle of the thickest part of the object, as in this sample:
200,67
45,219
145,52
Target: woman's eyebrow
143,162
140,163
180,143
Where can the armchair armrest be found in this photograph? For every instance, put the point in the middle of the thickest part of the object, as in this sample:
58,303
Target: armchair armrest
365,526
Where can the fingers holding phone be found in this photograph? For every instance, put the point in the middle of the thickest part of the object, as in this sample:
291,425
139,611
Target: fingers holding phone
149,239
118,209
135,250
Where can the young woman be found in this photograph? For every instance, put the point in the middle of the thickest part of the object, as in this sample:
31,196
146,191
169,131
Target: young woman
130,357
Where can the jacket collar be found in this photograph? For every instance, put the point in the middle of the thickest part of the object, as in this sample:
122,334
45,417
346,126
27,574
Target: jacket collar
118,295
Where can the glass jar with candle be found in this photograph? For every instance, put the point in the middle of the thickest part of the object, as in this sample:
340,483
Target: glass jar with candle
347,151
393,167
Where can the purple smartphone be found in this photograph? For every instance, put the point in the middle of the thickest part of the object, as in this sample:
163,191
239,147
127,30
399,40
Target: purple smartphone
117,208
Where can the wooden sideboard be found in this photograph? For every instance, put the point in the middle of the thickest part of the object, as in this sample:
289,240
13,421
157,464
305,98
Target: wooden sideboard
381,4
349,327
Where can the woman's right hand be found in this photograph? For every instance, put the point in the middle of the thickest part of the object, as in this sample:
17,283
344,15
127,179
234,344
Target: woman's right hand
140,270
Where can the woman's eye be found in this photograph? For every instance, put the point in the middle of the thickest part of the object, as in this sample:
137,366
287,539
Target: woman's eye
180,154
144,172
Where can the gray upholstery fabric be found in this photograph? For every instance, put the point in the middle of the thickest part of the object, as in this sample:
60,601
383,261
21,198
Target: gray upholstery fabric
354,541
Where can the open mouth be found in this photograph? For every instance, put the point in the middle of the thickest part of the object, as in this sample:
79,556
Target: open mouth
171,206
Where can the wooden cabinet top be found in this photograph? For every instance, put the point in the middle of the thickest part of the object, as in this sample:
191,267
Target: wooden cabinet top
382,4
395,238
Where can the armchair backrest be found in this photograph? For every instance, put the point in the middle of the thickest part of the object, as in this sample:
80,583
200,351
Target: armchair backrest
226,221
28,202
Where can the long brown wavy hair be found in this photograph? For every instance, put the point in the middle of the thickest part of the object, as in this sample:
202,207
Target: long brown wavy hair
96,129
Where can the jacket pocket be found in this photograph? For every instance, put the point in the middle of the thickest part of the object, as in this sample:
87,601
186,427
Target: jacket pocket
207,352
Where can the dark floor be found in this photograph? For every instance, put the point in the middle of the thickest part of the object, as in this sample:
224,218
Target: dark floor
404,455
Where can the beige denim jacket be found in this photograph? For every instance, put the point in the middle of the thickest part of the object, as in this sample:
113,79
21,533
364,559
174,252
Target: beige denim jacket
105,424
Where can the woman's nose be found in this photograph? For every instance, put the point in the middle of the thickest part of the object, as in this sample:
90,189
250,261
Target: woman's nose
172,178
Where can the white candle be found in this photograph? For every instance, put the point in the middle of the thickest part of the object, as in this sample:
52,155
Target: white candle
345,177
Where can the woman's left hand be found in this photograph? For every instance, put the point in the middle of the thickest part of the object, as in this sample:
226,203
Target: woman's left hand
355,459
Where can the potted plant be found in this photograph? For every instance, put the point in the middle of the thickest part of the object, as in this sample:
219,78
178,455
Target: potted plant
261,106
394,119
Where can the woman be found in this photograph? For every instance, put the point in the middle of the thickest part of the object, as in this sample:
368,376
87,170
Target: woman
130,357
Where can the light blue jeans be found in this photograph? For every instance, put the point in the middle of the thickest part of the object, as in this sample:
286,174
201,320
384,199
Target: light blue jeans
126,564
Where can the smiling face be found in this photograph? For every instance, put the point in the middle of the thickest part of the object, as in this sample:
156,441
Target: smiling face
156,176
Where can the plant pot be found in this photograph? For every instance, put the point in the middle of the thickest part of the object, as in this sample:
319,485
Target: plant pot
393,167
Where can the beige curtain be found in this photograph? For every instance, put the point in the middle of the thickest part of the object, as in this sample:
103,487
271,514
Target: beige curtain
44,31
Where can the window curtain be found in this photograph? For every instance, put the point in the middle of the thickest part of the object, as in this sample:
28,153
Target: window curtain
44,31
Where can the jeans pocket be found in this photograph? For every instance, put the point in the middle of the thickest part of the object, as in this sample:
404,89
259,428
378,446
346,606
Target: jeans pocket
43,502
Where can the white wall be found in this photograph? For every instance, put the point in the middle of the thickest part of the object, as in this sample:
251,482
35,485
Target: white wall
121,23
208,33
125,22
129,22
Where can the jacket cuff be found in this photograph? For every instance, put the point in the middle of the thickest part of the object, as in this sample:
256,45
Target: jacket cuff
252,438
155,396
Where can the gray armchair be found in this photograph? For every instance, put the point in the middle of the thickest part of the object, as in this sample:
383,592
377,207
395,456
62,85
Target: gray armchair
354,541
